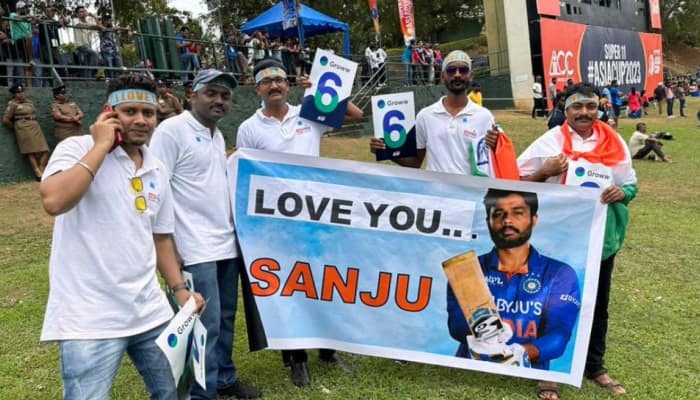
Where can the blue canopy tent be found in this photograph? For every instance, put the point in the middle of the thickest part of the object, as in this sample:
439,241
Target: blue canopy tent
311,22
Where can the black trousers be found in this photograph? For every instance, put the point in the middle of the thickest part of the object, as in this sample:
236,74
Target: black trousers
596,345
648,148
300,355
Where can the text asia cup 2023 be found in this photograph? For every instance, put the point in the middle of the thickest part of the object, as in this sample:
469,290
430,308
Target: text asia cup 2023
600,55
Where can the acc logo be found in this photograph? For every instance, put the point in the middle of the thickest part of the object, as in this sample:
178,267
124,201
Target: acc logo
172,340
560,64
532,285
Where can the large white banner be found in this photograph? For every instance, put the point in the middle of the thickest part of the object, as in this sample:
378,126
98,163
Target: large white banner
358,256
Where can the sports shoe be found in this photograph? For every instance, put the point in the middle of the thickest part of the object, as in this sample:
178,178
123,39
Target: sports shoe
300,374
240,390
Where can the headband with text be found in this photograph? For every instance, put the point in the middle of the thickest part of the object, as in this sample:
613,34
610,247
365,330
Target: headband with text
270,71
131,96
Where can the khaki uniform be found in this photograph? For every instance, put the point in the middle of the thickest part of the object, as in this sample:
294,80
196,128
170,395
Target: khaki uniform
30,138
66,129
168,106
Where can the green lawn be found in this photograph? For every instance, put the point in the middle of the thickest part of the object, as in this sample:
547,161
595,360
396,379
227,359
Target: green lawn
654,306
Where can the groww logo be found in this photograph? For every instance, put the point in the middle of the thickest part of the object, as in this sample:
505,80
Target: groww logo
560,64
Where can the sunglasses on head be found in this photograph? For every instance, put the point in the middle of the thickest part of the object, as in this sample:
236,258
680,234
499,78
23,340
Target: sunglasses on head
453,70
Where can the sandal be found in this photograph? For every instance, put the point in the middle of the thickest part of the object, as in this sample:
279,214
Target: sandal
612,385
547,391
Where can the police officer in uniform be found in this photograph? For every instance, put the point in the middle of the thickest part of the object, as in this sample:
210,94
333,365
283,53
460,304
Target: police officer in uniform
20,116
67,114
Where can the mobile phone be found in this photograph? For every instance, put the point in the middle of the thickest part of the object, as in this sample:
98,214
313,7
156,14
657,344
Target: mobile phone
117,133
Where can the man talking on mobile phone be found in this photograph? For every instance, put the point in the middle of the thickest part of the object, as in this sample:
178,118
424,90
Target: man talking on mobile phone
114,225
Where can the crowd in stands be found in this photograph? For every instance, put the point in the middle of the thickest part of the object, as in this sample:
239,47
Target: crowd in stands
422,62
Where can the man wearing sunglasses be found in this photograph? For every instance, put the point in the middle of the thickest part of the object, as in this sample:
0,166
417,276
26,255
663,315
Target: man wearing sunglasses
457,135
277,126
114,225
194,152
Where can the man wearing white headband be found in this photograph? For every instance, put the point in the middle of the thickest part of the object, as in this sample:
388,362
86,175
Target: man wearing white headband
114,225
457,135
278,127
194,152
583,140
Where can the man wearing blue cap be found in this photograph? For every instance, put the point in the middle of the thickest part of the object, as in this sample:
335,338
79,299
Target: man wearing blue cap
193,149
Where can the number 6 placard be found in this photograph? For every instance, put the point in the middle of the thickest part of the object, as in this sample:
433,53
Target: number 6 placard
394,120
327,99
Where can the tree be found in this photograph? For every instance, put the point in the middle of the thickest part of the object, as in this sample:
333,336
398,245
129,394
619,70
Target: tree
679,21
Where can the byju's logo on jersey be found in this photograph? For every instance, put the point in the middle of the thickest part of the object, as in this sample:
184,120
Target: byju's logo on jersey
532,285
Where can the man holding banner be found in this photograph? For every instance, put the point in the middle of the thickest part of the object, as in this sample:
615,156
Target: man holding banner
537,297
278,127
458,136
587,152
193,150
114,225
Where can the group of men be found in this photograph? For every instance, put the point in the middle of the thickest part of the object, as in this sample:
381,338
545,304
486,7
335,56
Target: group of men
167,206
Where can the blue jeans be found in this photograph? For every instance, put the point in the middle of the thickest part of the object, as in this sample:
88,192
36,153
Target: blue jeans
112,60
217,282
87,57
88,367
189,62
669,107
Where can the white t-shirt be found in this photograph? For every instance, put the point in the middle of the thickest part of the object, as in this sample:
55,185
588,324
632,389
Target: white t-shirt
447,139
197,161
84,36
550,144
102,268
371,57
293,134
537,90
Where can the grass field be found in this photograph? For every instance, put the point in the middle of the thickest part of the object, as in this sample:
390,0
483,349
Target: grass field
654,305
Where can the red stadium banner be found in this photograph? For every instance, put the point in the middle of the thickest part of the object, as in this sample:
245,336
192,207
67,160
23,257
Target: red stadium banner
408,25
655,13
599,55
375,14
549,7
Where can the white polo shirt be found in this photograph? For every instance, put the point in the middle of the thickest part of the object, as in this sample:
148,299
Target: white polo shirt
293,134
197,164
550,144
102,268
446,139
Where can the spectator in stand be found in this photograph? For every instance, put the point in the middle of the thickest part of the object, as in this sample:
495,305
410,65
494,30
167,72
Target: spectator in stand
85,38
670,98
418,62
380,55
660,97
538,98
48,30
406,59
109,48
642,144
276,48
186,98
10,54
552,93
438,62
190,62
429,67
680,92
67,116
37,70
293,60
21,34
231,51
634,104
259,45
368,65
645,101
475,94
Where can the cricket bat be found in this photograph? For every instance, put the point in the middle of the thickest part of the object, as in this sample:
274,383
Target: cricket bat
464,274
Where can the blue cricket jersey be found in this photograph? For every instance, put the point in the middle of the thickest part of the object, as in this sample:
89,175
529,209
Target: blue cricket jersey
541,306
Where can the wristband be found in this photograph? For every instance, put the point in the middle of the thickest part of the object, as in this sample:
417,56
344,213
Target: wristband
178,287
87,168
